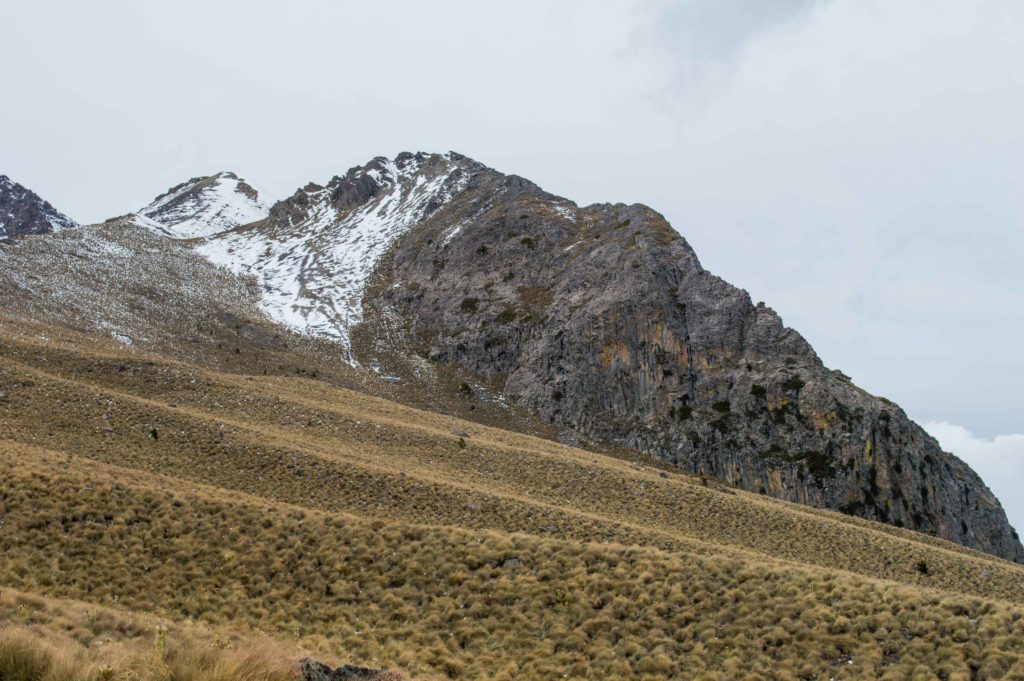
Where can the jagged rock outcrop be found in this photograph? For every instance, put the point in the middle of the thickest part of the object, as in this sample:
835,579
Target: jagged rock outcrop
313,254
23,212
601,320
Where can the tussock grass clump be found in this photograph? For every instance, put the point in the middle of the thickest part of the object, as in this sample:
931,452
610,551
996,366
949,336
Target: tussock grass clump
22,659
25,656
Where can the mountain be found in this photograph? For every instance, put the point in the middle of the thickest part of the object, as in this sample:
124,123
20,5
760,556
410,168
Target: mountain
314,253
203,206
23,212
598,321
602,320
194,489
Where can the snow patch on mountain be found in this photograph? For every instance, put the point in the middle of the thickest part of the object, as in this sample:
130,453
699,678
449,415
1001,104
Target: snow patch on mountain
313,270
566,209
204,206
122,282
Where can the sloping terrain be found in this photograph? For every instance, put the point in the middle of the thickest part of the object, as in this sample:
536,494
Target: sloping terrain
392,536
117,280
61,639
203,206
407,420
314,254
601,323
121,281
23,212
593,325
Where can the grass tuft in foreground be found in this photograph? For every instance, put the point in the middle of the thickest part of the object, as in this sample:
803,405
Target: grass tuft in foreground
25,656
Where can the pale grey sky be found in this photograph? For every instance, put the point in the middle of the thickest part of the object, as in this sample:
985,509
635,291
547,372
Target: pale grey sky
857,164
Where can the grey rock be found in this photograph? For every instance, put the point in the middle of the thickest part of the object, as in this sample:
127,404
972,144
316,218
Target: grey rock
601,320
23,212
312,670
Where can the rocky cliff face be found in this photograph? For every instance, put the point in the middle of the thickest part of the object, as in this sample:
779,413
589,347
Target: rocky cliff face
598,319
601,320
23,212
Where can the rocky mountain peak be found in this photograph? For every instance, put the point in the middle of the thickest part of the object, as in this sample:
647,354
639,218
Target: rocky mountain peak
23,212
204,206
315,253
363,184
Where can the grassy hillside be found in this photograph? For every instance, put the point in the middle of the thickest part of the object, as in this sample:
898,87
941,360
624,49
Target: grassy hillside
370,532
67,640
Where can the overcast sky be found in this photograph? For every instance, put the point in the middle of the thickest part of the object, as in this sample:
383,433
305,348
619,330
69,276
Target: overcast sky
856,164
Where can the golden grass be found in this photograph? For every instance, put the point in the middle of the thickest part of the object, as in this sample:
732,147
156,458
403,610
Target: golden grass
450,601
364,531
24,657
27,656
51,639
473,604
57,638
298,441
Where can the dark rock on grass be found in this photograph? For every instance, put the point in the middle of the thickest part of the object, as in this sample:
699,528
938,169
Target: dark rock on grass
317,671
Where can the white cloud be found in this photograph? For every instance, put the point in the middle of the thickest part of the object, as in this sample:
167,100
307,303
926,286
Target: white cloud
861,170
999,462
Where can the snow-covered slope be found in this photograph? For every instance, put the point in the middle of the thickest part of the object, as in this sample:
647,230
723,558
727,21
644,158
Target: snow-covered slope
125,282
22,212
204,206
314,256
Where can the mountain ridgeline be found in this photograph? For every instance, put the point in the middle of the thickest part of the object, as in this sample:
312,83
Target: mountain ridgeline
23,212
598,320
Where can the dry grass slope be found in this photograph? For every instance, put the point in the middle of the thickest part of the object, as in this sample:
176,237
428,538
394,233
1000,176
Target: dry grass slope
380,534
46,639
